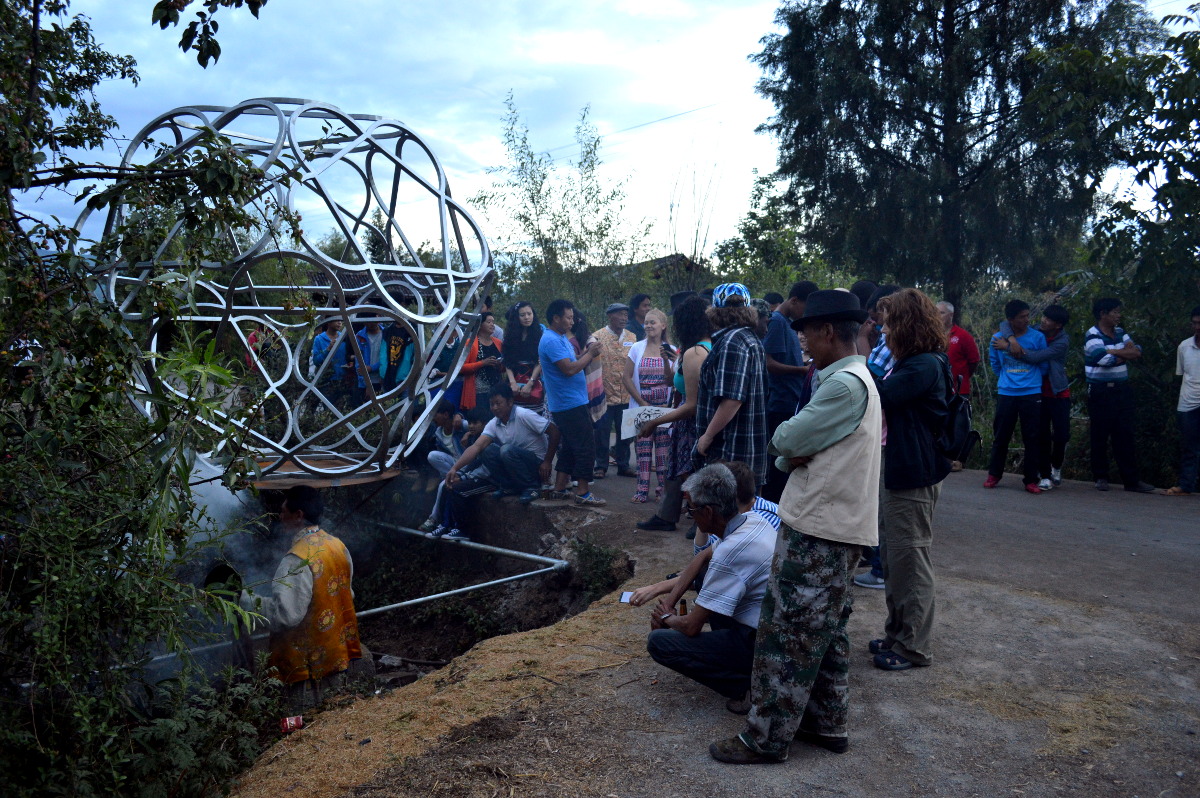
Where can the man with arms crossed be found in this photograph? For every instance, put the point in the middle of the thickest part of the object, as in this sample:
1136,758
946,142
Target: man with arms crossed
799,687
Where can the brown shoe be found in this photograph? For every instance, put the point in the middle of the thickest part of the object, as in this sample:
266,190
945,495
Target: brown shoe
955,465
734,752
1176,491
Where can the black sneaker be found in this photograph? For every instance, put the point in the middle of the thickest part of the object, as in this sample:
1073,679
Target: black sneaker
1141,487
838,745
656,524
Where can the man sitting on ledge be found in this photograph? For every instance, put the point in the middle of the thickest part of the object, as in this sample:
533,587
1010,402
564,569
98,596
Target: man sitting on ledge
520,461
730,598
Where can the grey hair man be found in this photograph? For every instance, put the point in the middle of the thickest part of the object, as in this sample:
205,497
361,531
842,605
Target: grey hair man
731,597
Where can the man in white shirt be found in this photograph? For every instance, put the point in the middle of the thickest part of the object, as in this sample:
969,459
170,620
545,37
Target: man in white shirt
731,597
1187,366
525,446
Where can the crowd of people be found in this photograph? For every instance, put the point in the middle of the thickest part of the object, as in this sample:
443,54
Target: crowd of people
851,394
805,439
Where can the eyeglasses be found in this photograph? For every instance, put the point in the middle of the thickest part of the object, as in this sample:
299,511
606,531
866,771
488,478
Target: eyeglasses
690,508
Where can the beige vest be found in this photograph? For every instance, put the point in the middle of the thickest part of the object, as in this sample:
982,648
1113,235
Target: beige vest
836,496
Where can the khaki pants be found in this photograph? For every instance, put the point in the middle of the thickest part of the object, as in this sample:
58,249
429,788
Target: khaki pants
907,535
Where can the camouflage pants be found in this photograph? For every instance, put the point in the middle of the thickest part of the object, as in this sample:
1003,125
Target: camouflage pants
802,654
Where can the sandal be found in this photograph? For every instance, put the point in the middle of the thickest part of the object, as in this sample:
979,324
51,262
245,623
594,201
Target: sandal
639,498
599,473
560,496
1176,491
891,661
879,646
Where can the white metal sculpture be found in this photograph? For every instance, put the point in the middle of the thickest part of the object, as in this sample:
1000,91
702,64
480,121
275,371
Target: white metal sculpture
408,257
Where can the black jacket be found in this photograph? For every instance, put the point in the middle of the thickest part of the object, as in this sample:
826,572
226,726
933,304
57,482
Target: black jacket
914,402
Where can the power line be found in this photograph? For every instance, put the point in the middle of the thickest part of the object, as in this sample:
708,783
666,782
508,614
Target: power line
635,127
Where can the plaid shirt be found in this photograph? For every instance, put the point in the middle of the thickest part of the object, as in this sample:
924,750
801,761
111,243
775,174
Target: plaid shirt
736,369
880,361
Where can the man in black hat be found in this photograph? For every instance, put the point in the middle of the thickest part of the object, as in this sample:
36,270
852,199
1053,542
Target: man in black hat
615,343
799,686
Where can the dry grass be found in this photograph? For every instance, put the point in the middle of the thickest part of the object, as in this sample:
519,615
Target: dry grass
327,757
1074,719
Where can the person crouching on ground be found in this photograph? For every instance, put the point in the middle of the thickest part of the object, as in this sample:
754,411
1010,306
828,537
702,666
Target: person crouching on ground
314,630
799,686
525,445
730,598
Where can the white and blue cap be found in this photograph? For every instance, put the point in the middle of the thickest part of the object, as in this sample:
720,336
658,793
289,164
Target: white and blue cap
727,294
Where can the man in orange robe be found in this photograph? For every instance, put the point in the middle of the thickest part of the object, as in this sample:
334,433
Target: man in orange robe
314,633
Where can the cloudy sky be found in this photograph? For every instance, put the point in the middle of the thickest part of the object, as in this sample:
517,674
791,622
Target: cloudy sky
669,84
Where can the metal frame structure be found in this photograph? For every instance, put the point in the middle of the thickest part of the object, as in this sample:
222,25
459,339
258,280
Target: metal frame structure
348,170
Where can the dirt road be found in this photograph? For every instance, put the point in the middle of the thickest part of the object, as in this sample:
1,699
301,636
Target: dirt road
1068,654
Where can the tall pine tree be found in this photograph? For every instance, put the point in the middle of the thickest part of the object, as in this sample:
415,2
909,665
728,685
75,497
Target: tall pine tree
911,141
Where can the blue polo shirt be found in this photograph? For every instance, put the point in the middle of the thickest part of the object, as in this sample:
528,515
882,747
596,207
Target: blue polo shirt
562,392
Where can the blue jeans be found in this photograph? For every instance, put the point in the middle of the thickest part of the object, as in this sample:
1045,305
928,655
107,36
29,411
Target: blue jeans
611,419
512,468
1189,447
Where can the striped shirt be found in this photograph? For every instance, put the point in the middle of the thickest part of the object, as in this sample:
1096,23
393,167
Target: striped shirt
767,509
739,569
1099,365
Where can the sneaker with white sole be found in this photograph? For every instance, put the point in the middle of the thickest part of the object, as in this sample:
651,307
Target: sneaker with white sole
589,499
1056,476
457,534
867,579
1045,484
438,531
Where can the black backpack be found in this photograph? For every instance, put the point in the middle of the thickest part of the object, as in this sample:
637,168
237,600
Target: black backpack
958,437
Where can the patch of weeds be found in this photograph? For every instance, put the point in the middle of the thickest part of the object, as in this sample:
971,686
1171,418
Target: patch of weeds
599,568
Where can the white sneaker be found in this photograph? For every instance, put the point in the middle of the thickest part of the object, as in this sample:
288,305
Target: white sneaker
1056,475
1045,484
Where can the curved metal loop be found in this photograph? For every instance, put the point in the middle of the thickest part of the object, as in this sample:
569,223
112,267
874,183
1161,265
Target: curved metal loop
268,302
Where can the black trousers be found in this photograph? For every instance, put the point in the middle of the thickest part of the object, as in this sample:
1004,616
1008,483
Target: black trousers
1056,432
1010,409
576,444
1110,412
721,659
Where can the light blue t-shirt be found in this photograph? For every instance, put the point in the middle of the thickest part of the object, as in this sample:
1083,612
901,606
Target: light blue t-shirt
1016,377
562,392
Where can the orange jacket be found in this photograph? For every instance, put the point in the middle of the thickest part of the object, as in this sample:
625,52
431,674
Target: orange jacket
470,366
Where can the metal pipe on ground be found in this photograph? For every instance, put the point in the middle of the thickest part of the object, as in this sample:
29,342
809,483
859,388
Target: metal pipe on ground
552,564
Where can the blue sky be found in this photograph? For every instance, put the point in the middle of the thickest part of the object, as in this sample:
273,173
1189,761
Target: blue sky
444,69
675,72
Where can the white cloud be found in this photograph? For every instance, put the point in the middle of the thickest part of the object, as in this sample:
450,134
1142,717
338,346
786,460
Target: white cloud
444,68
